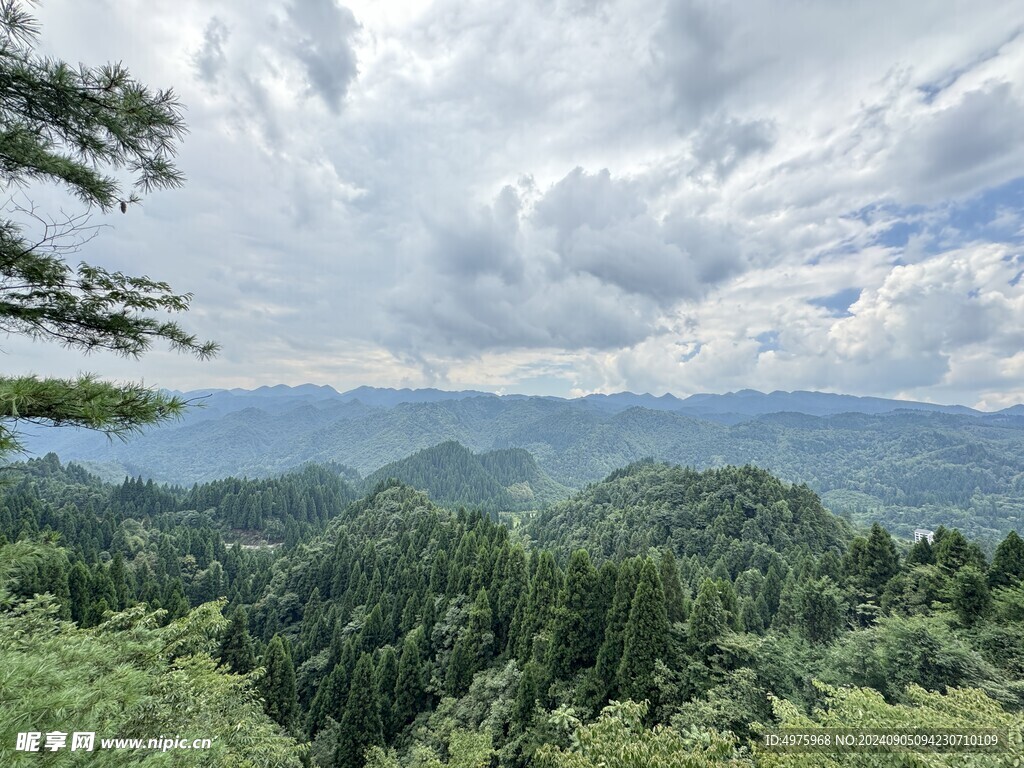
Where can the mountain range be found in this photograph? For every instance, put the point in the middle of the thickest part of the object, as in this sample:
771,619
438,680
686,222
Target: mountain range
907,464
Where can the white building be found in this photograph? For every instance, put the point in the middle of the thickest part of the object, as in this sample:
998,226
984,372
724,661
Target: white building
923,533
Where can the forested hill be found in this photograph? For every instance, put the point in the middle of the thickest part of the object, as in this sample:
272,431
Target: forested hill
507,479
736,515
907,469
396,633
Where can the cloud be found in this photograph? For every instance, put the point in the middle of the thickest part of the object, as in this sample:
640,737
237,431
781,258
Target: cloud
908,329
664,195
958,150
321,38
696,51
210,60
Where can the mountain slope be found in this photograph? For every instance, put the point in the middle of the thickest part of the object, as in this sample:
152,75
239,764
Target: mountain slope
451,474
907,468
732,513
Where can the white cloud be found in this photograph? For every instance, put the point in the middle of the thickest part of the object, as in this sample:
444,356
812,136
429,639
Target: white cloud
608,195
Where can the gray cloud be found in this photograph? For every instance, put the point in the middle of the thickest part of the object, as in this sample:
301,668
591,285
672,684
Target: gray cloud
695,50
725,142
698,170
210,60
974,143
322,41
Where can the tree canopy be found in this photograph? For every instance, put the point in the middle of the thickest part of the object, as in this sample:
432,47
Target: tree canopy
84,129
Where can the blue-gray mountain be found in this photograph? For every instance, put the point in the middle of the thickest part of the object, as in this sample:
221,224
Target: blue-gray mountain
907,464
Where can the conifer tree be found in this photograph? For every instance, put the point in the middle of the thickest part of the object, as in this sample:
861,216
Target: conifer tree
610,654
526,699
646,636
574,636
1007,562
278,684
374,630
750,617
386,681
360,726
79,589
236,652
675,599
819,610
708,620
409,684
953,551
772,587
543,599
79,128
920,554
972,600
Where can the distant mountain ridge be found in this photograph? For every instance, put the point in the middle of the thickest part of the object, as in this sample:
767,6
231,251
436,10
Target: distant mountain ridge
725,407
909,467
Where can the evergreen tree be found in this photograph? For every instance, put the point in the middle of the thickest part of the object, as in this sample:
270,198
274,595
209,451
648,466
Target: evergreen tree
871,562
610,655
708,620
460,668
675,598
1008,562
409,684
278,684
79,590
374,631
543,599
751,619
360,726
646,636
785,616
236,652
920,554
574,636
526,699
79,128
953,551
386,681
774,580
819,610
970,594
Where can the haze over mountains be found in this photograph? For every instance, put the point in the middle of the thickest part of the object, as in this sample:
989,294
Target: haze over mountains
727,408
907,464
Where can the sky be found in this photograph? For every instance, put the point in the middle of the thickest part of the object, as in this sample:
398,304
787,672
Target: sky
577,196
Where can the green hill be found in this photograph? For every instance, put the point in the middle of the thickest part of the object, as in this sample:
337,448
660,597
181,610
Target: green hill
451,474
735,513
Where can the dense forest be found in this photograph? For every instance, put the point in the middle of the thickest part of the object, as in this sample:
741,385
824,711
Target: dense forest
507,479
663,616
906,469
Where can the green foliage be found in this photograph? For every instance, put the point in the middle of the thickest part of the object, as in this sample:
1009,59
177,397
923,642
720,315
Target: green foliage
360,726
619,740
236,646
1008,561
917,650
958,710
708,619
738,514
903,470
421,636
574,637
278,684
450,474
819,610
645,639
971,598
77,127
129,677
